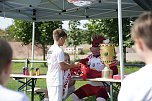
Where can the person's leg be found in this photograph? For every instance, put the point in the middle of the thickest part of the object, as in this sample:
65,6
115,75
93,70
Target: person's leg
100,99
46,98
101,95
85,91
70,91
55,93
75,98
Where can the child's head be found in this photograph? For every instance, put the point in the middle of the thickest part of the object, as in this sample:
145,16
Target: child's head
66,57
59,36
5,61
141,33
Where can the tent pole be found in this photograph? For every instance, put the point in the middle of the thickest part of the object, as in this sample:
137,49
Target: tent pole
33,38
120,40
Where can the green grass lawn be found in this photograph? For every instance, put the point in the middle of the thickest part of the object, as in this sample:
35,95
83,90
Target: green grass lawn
17,68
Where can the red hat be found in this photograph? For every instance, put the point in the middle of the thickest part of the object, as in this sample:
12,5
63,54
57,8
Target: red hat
96,40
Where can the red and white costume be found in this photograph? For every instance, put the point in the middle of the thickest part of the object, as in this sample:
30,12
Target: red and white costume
93,88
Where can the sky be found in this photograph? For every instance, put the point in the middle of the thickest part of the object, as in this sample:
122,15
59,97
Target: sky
5,22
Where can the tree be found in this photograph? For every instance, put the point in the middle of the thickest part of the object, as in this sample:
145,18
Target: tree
109,29
22,31
2,33
74,35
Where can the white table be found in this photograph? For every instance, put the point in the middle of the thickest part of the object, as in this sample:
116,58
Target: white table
30,82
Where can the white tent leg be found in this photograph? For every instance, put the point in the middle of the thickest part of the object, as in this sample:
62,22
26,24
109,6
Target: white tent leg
33,38
120,40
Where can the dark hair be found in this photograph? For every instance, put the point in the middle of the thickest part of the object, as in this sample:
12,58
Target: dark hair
58,33
5,53
142,28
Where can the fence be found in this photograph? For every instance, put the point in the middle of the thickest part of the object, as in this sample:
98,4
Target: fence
26,61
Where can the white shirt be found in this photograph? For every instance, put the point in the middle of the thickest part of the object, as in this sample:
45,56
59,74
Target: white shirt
95,63
9,95
55,55
137,86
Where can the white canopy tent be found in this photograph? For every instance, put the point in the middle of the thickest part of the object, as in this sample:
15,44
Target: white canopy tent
45,10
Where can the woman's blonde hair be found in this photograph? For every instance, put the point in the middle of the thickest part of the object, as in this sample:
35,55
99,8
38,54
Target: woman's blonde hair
142,28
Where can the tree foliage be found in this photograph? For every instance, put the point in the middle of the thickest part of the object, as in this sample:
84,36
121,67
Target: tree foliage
109,29
74,34
22,31
2,32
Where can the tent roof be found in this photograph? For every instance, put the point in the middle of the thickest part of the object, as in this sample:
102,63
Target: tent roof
43,10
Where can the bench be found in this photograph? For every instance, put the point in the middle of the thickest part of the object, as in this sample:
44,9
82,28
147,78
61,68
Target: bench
40,91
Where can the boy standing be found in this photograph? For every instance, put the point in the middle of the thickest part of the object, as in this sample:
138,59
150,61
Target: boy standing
138,86
56,66
5,69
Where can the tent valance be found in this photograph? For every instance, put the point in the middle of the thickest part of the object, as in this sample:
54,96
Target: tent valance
44,10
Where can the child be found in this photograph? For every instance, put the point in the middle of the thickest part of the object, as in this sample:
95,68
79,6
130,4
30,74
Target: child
5,69
138,86
56,66
68,83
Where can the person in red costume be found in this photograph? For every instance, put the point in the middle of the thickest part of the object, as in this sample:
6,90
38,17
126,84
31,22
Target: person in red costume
95,64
